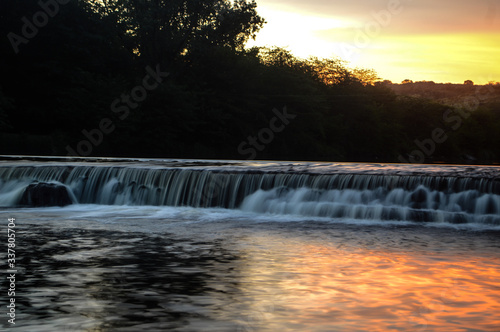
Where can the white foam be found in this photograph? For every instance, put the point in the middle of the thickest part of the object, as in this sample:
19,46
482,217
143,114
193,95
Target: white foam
158,218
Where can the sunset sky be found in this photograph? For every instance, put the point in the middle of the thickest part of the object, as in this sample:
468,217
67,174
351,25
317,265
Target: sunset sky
441,41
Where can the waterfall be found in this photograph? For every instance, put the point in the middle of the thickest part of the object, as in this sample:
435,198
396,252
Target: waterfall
407,197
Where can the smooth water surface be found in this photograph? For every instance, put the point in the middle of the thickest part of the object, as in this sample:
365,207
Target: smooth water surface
119,268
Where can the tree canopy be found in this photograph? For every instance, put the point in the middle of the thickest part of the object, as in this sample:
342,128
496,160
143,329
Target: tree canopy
172,78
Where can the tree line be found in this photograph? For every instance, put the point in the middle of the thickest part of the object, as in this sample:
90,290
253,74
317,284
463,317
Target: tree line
79,86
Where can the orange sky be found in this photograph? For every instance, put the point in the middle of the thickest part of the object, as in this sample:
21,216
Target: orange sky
442,41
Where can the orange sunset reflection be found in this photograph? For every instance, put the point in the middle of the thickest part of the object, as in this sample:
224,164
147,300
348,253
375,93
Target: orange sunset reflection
317,287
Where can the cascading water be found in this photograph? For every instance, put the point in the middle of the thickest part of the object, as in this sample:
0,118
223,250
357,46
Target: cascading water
421,204
390,195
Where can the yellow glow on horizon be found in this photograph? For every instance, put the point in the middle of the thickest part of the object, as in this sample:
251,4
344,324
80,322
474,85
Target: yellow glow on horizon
451,57
441,58
297,32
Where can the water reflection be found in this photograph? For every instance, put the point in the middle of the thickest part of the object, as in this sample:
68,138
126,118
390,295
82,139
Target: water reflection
253,280
79,280
321,287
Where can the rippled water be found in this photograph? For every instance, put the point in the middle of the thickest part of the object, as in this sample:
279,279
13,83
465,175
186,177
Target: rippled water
103,268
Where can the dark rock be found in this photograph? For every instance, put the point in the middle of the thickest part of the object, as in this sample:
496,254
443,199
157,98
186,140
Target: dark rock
421,216
419,198
46,194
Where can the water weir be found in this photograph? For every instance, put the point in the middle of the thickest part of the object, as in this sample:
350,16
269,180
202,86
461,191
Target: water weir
454,194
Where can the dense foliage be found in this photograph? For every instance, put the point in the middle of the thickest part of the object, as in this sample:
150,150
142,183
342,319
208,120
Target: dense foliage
69,89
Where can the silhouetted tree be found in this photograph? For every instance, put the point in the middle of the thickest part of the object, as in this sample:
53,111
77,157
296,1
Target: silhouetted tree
63,81
162,31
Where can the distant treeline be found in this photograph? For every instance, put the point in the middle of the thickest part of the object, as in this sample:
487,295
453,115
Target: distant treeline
447,93
172,79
